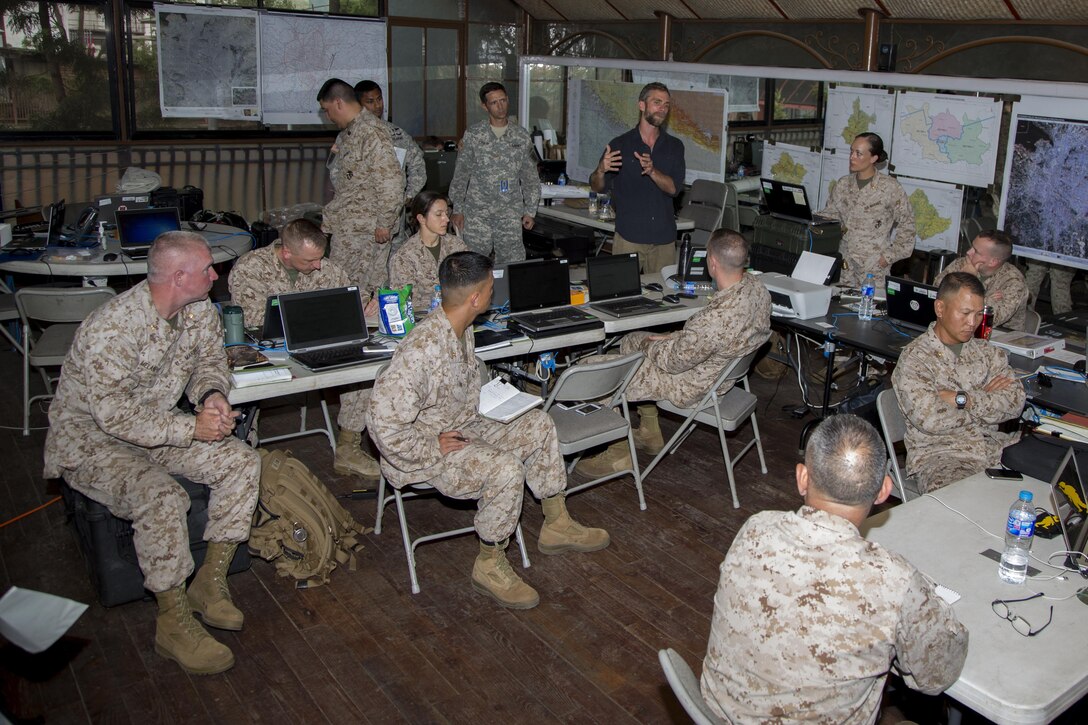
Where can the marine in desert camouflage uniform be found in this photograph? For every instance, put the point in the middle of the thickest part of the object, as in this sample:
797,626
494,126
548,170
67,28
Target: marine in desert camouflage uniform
416,262
424,419
116,435
369,185
946,442
869,205
809,616
296,263
680,366
495,188
1006,291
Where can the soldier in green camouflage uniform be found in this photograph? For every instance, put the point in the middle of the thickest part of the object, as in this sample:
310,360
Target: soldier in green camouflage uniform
1006,291
116,435
495,188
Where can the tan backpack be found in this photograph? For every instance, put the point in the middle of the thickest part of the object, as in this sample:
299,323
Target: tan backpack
299,525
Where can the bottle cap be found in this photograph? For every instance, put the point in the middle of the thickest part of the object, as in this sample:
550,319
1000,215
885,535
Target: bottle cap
1025,496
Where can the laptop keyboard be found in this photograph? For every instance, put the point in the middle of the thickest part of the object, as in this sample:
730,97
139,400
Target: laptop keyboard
332,356
638,303
558,314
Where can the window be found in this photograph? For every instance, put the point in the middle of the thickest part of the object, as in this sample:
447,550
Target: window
423,86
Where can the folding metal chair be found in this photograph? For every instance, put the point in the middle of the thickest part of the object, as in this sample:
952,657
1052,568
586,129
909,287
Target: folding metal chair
894,428
685,686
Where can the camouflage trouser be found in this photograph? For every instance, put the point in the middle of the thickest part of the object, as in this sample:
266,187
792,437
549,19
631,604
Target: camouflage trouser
496,464
135,484
860,261
365,262
1061,279
353,408
498,229
945,470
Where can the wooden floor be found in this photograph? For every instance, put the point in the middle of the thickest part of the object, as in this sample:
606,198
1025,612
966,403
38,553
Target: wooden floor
364,648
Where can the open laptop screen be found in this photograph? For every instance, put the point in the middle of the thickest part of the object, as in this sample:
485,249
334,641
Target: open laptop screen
784,199
321,318
613,276
910,302
1067,482
137,229
535,285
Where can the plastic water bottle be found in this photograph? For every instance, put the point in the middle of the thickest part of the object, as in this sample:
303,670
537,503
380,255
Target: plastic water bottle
868,292
1019,532
436,301
562,178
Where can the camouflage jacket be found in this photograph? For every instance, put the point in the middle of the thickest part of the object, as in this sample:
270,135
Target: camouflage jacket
260,273
414,264
939,434
809,616
415,170
368,181
1009,311
734,322
487,165
124,374
867,217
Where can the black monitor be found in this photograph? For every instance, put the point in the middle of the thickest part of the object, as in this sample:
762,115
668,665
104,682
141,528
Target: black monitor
535,285
137,229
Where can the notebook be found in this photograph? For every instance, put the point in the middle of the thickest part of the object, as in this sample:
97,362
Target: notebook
137,229
790,202
1067,481
615,286
325,329
544,285
910,303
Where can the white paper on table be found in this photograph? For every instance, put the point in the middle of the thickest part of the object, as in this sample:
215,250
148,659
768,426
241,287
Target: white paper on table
35,620
813,267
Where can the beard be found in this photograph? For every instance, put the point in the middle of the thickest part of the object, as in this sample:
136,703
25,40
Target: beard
656,120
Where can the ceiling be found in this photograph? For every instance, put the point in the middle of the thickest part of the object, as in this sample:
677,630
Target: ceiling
953,10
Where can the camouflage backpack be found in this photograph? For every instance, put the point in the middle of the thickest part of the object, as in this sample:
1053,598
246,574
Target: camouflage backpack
299,525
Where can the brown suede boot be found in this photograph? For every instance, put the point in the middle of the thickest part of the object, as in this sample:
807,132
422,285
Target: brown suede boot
492,575
208,594
615,458
351,458
179,637
562,533
648,436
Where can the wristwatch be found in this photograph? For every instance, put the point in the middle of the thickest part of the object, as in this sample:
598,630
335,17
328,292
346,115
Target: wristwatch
961,399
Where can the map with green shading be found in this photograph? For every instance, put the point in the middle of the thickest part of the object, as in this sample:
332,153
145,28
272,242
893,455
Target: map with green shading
793,165
946,138
937,211
853,111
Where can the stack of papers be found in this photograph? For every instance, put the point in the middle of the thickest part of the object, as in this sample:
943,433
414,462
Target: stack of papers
260,376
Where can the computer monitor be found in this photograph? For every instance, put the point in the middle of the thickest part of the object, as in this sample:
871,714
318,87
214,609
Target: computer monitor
537,285
137,229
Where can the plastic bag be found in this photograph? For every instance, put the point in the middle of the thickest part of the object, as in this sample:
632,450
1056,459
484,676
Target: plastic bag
138,181
395,314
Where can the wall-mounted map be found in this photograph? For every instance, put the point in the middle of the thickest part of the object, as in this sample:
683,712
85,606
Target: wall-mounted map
794,165
946,138
853,111
937,211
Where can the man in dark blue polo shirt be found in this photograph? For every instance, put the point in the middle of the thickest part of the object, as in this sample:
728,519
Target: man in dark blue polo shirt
644,170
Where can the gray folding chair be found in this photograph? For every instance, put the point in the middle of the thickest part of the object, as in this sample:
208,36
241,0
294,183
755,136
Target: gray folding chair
703,204
577,432
726,413
45,345
894,427
9,314
685,686
1032,320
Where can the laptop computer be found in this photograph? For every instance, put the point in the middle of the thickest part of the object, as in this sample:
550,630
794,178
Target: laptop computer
1068,481
54,224
500,295
108,205
910,303
271,332
325,329
615,286
137,229
544,285
790,202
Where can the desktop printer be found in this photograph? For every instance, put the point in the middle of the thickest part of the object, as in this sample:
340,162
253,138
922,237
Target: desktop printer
795,298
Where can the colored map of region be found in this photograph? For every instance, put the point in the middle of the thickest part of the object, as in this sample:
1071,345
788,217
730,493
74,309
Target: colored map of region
858,123
937,211
786,169
943,137
927,221
946,138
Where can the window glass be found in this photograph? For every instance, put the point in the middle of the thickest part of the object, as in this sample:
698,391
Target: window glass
492,56
797,100
434,9
492,11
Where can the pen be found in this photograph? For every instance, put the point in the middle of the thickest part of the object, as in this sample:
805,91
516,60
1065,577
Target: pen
460,438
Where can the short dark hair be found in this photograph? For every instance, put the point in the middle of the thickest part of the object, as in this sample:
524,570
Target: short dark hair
365,86
1001,239
462,271
335,88
422,204
490,88
845,458
876,145
953,282
655,86
298,232
729,248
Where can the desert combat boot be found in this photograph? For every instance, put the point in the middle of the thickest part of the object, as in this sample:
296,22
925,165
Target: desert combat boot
562,533
648,436
179,637
492,575
208,594
351,458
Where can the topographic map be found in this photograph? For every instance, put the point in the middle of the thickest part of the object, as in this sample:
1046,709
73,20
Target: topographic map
937,211
1046,191
793,164
833,166
946,138
851,111
599,111
299,53
209,63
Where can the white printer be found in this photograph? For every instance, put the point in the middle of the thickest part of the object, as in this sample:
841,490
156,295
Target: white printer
796,298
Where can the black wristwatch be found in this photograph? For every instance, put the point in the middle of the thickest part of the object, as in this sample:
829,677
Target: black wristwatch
961,399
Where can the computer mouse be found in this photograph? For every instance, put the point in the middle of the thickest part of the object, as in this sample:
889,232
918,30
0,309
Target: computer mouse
111,257
671,299
653,287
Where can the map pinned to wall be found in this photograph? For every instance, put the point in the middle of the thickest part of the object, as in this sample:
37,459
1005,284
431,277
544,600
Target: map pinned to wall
937,211
833,166
946,138
300,52
599,111
793,164
853,111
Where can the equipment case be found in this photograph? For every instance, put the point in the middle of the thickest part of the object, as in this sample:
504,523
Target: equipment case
777,243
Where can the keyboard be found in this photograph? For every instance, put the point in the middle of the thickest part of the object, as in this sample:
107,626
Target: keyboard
558,314
636,304
339,356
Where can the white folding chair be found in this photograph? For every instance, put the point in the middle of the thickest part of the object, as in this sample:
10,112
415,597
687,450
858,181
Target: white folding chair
45,345
894,428
685,686
9,314
726,413
577,432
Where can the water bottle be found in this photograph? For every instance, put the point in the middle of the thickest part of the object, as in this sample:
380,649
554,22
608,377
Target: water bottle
436,301
683,266
1018,535
562,178
868,292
